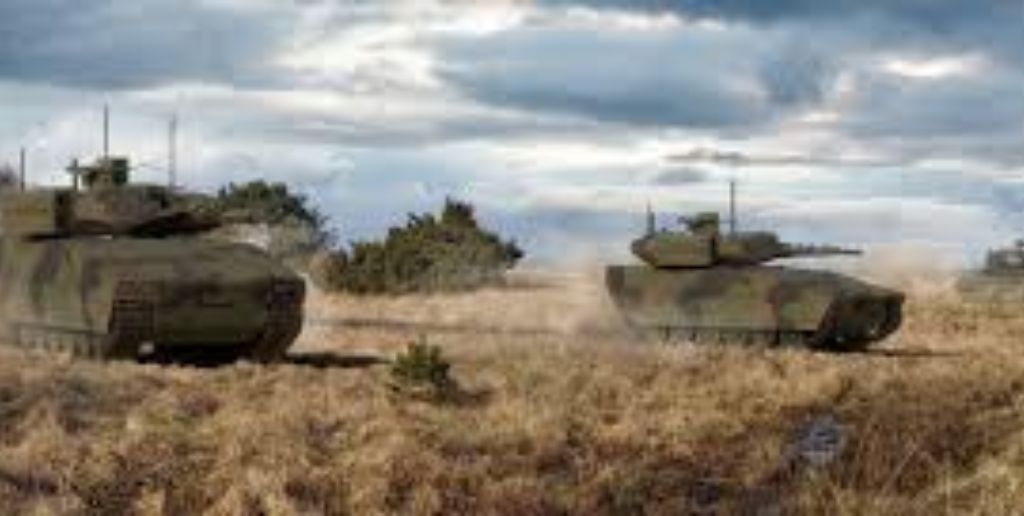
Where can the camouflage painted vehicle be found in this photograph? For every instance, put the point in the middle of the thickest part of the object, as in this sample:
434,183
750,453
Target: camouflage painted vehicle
703,285
108,269
1000,280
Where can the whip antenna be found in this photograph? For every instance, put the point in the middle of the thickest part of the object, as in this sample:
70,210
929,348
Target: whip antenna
106,131
21,169
172,152
732,207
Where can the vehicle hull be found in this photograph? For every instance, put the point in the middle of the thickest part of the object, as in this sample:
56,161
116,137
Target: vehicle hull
758,304
131,298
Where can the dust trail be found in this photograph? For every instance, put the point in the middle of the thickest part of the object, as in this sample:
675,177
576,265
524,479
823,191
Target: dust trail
917,269
531,303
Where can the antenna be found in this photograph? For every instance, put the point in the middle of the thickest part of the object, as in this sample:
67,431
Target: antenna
75,172
650,219
172,152
21,169
106,131
732,206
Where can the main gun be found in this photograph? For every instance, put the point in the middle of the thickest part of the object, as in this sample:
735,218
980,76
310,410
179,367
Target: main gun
787,250
755,247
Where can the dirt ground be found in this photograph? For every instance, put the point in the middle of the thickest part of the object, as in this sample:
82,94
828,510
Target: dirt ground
561,412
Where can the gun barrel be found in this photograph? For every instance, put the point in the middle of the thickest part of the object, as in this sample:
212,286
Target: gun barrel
820,250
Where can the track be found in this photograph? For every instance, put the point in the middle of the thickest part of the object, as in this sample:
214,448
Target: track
76,344
729,336
133,336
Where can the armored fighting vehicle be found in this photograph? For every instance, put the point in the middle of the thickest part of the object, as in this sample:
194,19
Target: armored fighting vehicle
1001,279
703,285
108,269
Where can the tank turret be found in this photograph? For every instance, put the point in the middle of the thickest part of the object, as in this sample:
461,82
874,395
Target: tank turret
701,244
100,201
106,172
1007,260
999,280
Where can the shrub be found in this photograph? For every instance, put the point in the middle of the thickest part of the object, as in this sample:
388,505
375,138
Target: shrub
289,227
450,252
270,203
8,177
422,372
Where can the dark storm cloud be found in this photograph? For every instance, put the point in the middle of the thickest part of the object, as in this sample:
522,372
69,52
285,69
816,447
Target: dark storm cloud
109,44
982,105
977,115
681,176
687,78
795,76
994,25
744,78
933,15
783,59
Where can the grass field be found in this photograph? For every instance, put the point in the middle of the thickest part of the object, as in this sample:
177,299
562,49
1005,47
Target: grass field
560,412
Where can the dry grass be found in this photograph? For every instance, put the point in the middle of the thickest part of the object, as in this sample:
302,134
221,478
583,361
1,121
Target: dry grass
560,413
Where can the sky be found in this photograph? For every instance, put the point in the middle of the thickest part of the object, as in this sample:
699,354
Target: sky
868,122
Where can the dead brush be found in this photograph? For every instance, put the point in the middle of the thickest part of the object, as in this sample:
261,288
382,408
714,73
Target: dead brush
562,422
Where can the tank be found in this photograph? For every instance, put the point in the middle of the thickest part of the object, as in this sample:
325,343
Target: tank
1001,279
698,283
112,270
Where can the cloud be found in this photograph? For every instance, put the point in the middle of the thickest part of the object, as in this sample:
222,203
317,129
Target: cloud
681,176
796,76
992,26
849,120
732,158
608,75
936,16
977,105
112,45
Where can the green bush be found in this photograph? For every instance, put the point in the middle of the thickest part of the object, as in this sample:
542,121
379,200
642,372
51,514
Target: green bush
8,177
422,372
450,252
270,203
